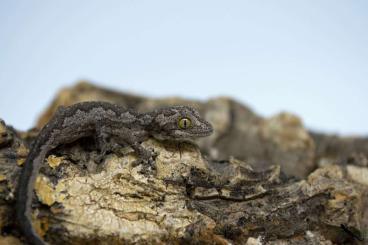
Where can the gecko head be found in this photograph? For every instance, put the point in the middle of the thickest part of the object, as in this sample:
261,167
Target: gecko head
180,123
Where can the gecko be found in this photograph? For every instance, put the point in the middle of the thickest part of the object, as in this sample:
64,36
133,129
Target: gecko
106,121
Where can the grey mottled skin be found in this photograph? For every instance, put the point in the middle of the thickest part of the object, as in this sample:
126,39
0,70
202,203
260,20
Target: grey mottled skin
106,121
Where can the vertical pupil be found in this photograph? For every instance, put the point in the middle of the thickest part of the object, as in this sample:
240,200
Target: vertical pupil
185,123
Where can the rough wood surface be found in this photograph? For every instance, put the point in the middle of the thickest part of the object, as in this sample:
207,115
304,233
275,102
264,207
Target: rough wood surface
193,199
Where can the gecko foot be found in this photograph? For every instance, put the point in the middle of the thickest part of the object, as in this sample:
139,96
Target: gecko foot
108,148
148,163
148,169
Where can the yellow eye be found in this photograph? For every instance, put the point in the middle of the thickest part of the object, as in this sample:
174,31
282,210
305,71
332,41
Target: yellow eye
185,123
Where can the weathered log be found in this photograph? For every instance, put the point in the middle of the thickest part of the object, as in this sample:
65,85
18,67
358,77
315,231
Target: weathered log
83,199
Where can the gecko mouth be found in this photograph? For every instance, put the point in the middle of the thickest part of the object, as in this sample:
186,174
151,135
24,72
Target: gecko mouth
202,132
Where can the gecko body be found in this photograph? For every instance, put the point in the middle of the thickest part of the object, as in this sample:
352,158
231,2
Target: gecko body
107,122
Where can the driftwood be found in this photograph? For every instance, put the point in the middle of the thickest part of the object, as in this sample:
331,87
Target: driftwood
200,194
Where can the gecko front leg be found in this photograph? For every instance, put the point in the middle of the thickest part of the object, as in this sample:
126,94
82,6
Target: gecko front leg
111,138
145,157
105,142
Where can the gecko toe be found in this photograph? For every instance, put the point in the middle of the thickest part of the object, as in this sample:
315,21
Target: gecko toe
148,166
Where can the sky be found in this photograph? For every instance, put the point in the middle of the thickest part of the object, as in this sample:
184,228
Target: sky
306,57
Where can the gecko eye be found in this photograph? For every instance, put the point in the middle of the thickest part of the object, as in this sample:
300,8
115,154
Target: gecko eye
185,123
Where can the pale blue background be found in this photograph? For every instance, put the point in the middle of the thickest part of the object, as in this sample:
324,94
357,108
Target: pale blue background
308,57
